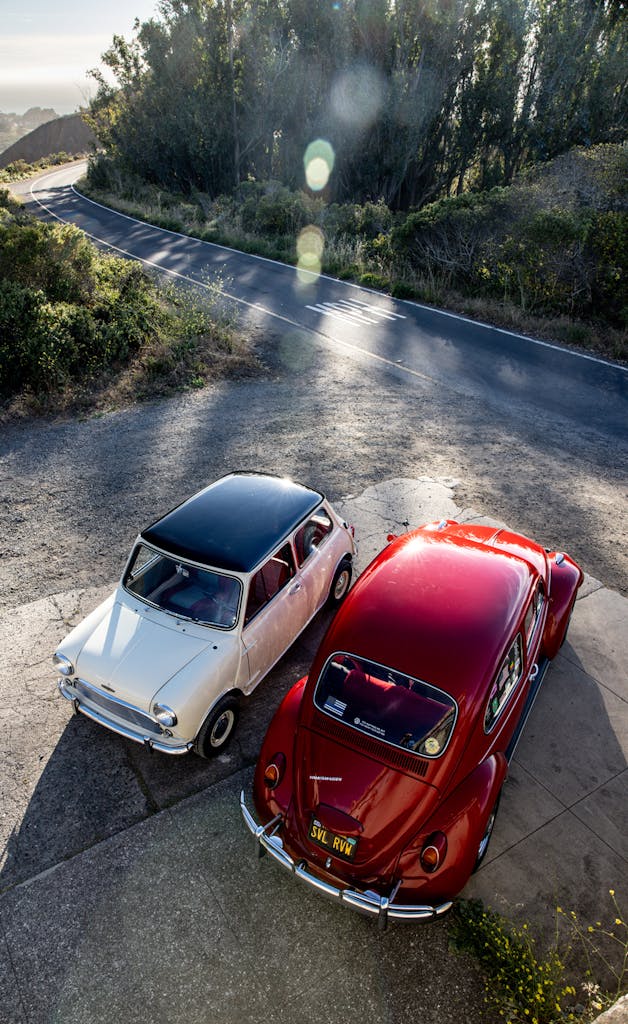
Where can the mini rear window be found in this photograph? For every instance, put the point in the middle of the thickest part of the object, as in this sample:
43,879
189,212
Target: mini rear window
386,704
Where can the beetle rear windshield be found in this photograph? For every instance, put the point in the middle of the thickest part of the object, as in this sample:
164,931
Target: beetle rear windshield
385,704
182,589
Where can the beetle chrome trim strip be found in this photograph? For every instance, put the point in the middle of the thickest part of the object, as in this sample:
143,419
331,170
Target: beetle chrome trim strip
121,730
543,666
368,902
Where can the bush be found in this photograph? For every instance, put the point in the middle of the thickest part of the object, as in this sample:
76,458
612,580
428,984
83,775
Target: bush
277,211
55,258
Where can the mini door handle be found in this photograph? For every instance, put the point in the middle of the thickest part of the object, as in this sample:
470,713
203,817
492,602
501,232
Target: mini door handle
534,671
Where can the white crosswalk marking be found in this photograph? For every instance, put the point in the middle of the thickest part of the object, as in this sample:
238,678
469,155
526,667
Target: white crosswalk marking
355,312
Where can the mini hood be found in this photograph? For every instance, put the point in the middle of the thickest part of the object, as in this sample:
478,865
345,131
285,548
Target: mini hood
134,654
353,794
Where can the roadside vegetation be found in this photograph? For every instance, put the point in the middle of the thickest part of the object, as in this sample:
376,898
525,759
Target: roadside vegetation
82,331
18,170
582,972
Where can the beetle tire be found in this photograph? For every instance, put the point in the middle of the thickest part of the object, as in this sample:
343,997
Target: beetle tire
340,584
486,838
218,728
562,642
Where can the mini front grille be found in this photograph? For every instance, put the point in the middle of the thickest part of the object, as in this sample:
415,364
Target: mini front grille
117,708
382,751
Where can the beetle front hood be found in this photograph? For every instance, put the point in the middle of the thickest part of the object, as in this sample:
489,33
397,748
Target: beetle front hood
353,794
134,654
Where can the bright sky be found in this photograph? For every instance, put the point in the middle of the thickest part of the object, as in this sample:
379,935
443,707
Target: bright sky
46,47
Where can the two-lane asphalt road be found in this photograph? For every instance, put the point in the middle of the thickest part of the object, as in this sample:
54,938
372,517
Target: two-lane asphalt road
495,367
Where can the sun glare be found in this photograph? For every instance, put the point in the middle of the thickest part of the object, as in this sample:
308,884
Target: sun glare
319,163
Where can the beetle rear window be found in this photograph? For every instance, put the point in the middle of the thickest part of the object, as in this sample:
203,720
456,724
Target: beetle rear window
385,704
182,589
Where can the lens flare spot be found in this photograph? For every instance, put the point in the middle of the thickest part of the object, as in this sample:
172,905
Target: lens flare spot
357,96
310,245
319,163
311,240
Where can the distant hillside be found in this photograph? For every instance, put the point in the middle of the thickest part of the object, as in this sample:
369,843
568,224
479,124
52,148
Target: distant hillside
16,126
67,134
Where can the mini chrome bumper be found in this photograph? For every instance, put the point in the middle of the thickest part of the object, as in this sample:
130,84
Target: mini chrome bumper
129,733
369,902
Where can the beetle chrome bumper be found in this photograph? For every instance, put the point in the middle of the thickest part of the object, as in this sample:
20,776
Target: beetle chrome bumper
369,902
84,706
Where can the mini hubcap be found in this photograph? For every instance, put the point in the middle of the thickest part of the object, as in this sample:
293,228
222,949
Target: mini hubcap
222,728
341,584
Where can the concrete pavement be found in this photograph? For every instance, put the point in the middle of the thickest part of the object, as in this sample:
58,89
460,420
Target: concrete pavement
129,886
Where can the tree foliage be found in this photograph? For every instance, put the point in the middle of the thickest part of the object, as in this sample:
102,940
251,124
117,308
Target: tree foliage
418,98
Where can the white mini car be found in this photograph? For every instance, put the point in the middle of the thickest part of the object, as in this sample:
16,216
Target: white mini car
212,596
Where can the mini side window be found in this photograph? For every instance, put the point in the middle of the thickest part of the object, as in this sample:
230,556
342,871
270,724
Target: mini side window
312,534
269,580
505,682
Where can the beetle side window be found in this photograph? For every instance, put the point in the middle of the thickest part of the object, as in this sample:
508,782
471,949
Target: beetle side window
269,580
309,537
505,682
534,613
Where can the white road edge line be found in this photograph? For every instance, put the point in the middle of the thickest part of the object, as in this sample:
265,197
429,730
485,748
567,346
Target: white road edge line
348,284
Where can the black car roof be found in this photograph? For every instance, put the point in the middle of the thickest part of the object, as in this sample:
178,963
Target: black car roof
236,522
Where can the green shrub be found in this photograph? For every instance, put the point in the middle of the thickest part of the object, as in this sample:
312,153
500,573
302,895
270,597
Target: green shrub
55,258
373,219
609,242
370,280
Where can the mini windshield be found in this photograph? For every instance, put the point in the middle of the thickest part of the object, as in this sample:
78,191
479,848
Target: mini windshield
185,590
380,702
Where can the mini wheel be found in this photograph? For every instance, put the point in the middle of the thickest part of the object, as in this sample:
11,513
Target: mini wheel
340,583
217,729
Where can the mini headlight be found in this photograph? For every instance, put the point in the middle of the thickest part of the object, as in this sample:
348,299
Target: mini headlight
433,852
63,664
274,771
164,715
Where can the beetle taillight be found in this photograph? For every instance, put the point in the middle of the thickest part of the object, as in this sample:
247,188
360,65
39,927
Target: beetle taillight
274,771
433,852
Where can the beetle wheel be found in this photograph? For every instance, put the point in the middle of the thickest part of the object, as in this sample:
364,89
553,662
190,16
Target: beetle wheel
217,729
488,832
562,642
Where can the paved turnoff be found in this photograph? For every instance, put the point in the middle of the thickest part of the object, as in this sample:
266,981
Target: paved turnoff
130,889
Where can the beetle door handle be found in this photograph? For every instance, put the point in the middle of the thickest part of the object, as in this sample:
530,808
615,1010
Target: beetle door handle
294,588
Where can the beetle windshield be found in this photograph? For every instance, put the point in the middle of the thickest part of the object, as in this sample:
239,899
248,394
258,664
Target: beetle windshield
385,704
185,590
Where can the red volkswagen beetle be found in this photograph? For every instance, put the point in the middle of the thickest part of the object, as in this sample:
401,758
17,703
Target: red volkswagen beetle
379,778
